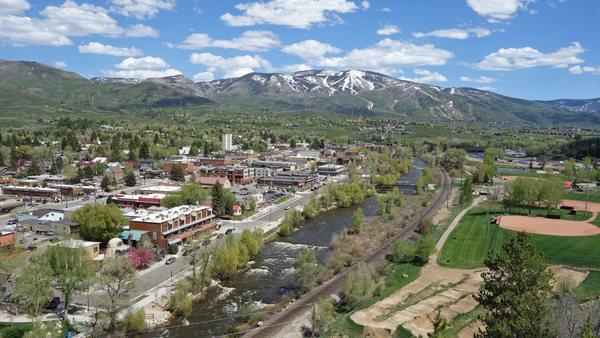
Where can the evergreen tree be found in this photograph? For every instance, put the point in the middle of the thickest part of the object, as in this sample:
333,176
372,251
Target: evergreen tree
515,291
144,150
218,199
105,183
466,194
177,173
130,179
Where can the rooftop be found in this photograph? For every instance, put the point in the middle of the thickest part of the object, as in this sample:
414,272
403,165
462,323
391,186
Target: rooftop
170,214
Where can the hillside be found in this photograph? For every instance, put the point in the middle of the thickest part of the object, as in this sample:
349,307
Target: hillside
33,87
585,105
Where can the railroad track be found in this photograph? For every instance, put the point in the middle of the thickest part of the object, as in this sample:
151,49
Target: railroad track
279,320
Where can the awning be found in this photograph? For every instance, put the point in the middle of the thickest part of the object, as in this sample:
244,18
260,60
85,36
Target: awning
175,241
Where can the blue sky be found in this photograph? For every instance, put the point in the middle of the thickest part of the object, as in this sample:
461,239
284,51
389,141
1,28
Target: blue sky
534,49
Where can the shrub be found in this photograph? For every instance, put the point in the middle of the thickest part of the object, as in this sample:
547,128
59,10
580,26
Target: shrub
134,321
358,286
140,257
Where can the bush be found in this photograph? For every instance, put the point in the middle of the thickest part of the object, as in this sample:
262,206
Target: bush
134,321
173,249
403,252
140,257
359,285
284,230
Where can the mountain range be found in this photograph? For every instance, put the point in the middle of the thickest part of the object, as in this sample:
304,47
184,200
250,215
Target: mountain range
29,85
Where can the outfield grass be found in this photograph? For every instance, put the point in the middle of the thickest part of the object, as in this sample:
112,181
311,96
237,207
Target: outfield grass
470,242
580,196
590,287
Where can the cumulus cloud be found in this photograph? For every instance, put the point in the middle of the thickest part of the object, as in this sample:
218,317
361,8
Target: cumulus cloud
498,9
311,50
203,77
295,68
481,79
147,62
256,41
292,13
425,76
585,69
365,5
388,29
142,73
142,9
387,56
13,6
386,9
506,59
23,31
102,49
71,19
60,64
140,31
455,33
231,67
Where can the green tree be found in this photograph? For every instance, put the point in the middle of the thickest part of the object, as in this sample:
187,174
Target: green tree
33,287
99,222
72,271
308,269
439,325
117,281
515,291
130,179
466,193
358,218
359,286
144,151
323,315
177,174
105,183
252,204
218,199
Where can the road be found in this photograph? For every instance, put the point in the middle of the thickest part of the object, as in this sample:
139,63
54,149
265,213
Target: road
273,325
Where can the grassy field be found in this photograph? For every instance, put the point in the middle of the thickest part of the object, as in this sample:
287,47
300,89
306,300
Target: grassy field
579,196
590,288
470,242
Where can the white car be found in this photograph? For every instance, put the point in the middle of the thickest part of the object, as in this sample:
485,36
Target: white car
170,260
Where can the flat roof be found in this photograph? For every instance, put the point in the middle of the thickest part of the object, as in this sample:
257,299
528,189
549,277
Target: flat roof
170,214
162,188
77,243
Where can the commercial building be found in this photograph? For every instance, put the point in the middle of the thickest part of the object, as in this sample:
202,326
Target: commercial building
68,189
227,142
160,189
237,175
139,201
330,170
209,182
299,179
275,166
93,248
176,225
32,192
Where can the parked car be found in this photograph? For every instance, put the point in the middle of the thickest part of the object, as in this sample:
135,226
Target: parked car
52,304
286,208
170,260
228,231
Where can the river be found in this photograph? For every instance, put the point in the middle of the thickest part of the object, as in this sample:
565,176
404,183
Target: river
271,277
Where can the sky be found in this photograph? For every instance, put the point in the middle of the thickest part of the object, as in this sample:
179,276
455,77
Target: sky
533,49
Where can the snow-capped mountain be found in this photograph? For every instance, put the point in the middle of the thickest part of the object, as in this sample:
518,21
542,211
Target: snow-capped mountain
585,105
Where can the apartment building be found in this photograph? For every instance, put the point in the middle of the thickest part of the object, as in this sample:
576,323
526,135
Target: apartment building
227,142
176,225
237,175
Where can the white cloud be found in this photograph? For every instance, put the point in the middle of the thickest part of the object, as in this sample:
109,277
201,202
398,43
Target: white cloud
13,6
256,41
101,49
585,69
386,9
455,33
60,64
296,68
498,9
481,79
292,13
142,8
72,19
23,30
310,50
231,67
506,59
203,77
141,31
388,56
147,62
365,5
142,73
388,29
425,76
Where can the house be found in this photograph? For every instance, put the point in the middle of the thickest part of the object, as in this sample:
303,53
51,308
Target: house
176,225
114,169
93,248
185,150
237,210
208,182
42,215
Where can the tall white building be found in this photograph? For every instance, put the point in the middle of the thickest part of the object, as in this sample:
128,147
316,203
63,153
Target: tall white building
226,142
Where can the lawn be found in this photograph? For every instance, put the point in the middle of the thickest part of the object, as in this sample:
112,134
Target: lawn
471,240
580,196
590,288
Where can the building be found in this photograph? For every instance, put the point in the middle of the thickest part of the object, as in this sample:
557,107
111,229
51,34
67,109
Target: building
299,179
139,201
7,239
227,142
237,175
160,189
68,189
275,166
134,237
32,192
93,248
209,182
176,225
42,215
262,172
330,170
188,166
